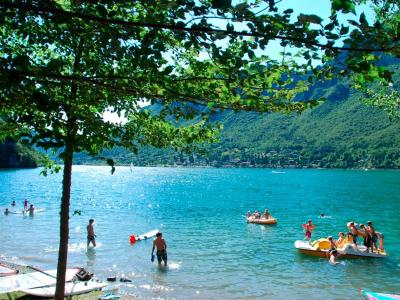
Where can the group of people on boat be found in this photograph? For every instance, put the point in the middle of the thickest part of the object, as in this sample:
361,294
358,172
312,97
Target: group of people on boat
257,215
30,210
368,233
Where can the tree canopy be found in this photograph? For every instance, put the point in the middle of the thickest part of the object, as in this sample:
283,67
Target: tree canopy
63,64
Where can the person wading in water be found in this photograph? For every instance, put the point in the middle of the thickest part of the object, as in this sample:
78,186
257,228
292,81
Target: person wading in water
161,246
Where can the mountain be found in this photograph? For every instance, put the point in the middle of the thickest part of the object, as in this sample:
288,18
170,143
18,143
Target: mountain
15,155
343,132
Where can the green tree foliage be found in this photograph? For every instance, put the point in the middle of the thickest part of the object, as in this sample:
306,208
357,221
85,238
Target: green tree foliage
65,63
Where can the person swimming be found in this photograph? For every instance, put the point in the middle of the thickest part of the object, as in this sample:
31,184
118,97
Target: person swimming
333,255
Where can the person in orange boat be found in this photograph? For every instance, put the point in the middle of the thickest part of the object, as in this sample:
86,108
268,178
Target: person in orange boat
267,215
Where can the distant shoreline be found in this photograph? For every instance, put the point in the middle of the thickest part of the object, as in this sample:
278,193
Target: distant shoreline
220,167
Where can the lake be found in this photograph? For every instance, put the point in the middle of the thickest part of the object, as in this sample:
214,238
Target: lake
212,252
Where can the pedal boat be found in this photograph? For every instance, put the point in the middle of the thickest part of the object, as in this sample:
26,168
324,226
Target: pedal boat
378,296
321,248
262,221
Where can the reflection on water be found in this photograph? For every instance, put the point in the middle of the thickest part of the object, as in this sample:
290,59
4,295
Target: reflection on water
91,258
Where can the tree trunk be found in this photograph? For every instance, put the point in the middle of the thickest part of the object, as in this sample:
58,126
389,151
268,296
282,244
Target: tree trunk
68,154
64,219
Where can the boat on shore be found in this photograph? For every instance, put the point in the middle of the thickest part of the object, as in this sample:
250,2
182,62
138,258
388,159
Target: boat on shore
18,282
321,248
6,271
70,289
379,296
262,221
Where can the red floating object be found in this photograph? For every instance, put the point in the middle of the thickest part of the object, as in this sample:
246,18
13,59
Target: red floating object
132,239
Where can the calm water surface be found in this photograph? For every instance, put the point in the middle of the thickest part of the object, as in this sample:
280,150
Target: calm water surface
213,253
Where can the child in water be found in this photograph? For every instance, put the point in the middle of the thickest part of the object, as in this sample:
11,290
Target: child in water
333,255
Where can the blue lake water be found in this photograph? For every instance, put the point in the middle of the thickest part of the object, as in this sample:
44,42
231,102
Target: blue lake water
213,253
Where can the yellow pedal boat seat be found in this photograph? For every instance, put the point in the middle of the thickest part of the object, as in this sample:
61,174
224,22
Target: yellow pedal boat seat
321,244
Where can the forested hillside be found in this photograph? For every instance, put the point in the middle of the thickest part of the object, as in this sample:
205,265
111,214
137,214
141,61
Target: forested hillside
343,132
15,155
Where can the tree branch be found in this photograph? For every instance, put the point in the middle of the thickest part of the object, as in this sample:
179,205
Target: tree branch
196,30
179,96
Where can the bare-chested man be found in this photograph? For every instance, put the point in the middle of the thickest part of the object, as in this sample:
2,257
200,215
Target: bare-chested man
354,233
374,236
161,246
90,233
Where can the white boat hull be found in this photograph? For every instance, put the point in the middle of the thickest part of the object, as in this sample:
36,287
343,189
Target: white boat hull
71,288
12,283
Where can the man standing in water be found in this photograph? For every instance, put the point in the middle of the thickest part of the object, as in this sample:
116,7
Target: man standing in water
161,246
90,234
26,204
31,210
